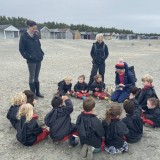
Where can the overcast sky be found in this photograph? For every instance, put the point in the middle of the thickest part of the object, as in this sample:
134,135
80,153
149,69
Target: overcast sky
137,15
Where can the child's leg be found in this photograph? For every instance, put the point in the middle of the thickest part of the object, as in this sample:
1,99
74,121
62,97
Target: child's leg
115,95
87,94
79,94
102,95
42,136
148,121
96,94
72,140
123,96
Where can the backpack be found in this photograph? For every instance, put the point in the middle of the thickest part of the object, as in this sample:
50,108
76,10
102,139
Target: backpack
131,68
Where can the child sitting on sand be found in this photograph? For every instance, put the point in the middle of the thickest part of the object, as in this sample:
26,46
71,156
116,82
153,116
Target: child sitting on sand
28,130
115,130
64,87
30,99
59,120
17,101
152,115
98,87
89,129
81,88
133,122
147,91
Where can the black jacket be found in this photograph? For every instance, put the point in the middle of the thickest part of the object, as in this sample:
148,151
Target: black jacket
135,125
30,48
63,87
27,132
100,86
59,121
99,53
129,79
114,133
80,87
153,115
144,95
90,130
12,115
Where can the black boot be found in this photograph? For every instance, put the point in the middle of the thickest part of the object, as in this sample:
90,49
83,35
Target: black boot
38,94
33,89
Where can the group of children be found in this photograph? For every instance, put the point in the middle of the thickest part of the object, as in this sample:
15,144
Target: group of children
112,134
81,88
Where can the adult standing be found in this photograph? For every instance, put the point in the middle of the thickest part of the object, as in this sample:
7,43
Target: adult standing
99,53
30,49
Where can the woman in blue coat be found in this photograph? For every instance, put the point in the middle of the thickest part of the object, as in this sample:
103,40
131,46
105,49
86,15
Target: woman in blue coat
124,80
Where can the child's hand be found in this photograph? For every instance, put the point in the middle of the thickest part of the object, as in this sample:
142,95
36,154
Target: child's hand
96,89
68,92
34,102
121,85
83,91
64,98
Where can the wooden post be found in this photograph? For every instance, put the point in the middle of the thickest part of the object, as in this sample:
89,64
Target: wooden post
4,34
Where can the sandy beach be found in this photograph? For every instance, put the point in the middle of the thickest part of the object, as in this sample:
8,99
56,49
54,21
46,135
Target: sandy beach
72,58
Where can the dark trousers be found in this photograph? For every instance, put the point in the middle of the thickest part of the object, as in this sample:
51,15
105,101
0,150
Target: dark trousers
120,96
34,69
97,68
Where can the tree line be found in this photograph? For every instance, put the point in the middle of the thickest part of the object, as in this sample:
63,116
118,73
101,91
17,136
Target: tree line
20,22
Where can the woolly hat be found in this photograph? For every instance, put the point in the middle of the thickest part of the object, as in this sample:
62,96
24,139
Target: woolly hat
120,66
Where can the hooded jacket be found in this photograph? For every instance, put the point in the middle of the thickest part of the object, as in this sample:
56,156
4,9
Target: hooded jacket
59,121
90,130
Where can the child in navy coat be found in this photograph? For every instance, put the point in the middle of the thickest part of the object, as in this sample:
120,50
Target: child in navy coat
17,101
59,120
98,87
81,88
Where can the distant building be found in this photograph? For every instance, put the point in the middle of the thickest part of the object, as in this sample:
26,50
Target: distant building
76,34
55,34
66,33
107,36
8,32
88,35
45,33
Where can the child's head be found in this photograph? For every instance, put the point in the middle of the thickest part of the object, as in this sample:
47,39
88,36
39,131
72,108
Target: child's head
68,80
30,96
134,91
81,79
89,104
19,99
152,103
120,67
113,113
56,102
129,106
99,38
26,110
98,78
147,80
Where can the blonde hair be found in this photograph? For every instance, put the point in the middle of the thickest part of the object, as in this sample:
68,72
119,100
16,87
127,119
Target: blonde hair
67,78
97,76
99,36
147,78
19,99
113,112
82,76
26,110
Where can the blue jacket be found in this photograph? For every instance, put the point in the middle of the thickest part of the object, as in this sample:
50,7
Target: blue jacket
129,79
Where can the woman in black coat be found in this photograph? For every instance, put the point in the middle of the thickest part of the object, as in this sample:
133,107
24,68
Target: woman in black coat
30,49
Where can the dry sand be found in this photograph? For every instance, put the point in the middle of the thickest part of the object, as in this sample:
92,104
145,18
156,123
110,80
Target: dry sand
71,57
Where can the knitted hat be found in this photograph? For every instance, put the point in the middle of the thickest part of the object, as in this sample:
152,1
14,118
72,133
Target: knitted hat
120,66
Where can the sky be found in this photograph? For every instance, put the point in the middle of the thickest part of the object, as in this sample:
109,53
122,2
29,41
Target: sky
141,16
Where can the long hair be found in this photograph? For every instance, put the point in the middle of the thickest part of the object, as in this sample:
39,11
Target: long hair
113,112
25,110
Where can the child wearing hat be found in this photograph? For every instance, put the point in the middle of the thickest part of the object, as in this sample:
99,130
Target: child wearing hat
124,80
